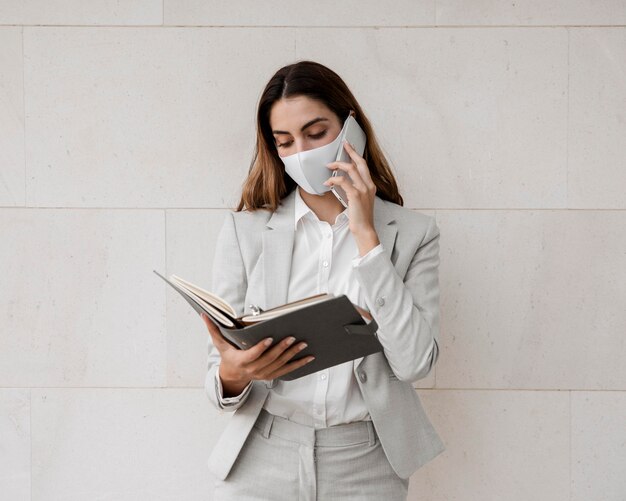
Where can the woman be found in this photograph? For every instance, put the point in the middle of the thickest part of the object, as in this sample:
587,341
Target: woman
356,430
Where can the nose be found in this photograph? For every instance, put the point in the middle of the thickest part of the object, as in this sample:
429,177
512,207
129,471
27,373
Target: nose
301,145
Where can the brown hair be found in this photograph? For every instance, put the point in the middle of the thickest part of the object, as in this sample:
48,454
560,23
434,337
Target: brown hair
267,182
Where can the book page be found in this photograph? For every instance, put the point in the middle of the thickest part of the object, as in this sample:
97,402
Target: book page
287,308
207,296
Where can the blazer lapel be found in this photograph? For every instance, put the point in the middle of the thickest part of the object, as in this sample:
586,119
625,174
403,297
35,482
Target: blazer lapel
386,231
277,252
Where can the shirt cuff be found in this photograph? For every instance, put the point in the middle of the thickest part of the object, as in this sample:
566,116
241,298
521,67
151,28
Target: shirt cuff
220,391
371,254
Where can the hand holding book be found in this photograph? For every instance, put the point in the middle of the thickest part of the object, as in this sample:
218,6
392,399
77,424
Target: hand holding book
239,367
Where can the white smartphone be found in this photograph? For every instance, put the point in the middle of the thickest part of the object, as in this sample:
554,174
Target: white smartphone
356,137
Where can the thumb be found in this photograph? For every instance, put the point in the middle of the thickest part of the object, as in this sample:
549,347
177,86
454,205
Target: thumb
215,333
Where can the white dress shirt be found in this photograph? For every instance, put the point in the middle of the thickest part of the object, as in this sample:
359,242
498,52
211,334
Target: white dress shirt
323,259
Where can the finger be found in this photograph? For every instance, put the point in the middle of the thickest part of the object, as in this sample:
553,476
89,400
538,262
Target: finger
265,368
360,162
351,170
292,366
354,156
271,355
347,186
251,354
216,336
210,324
218,340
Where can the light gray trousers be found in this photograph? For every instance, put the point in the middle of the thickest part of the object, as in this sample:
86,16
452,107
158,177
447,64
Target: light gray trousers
283,460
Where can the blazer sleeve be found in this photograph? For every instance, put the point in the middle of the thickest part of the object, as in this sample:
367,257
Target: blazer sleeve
230,283
406,308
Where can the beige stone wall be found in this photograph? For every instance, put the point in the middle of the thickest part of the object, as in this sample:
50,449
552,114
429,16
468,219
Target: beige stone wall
126,129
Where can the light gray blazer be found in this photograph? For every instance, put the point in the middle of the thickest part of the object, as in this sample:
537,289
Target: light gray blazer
401,288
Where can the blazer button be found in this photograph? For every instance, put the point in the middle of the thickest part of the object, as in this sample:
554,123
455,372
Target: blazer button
380,301
362,377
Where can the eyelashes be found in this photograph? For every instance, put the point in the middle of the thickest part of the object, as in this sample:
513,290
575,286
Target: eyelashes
312,136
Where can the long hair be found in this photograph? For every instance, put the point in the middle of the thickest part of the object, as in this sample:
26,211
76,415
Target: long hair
267,182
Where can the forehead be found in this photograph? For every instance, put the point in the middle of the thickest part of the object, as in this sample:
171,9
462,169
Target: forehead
292,113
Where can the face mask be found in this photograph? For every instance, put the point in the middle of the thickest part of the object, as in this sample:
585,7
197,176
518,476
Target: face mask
308,168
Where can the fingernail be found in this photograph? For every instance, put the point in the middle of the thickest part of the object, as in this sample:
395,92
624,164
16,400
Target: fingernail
268,341
303,346
290,340
310,359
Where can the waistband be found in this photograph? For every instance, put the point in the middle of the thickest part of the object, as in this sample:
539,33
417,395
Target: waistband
334,436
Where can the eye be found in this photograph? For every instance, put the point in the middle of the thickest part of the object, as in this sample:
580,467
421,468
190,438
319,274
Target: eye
319,135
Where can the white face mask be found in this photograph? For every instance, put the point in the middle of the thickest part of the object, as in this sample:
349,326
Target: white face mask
308,168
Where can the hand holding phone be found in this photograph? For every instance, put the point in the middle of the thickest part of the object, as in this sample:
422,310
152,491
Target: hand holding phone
356,137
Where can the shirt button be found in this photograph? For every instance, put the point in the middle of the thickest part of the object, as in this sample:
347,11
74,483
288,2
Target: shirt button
328,235
380,301
318,411
323,376
362,377
325,264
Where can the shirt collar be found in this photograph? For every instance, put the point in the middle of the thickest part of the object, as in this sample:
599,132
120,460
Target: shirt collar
302,210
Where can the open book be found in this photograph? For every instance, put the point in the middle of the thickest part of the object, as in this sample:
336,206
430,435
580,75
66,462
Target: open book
334,328
224,314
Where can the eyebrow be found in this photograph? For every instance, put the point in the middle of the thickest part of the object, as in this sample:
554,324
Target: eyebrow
308,124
